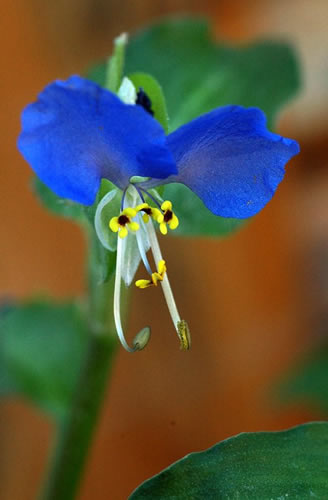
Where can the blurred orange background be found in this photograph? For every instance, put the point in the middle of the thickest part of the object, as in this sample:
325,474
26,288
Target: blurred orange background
253,302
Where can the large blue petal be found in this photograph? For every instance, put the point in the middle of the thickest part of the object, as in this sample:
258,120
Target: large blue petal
230,160
78,133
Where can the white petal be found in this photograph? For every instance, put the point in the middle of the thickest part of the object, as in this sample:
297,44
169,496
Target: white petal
127,92
108,207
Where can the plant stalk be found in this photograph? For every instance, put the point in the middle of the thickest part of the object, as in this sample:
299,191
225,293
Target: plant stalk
75,433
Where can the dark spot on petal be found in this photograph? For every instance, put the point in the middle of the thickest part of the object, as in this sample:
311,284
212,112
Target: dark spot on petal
123,219
144,101
168,216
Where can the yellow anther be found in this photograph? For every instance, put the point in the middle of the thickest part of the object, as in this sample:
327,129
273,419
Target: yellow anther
166,205
168,218
143,283
159,275
134,226
143,206
149,211
130,212
155,277
161,267
123,232
118,224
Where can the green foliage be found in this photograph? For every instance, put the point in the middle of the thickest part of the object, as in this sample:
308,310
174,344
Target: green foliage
198,74
195,219
153,89
290,464
115,64
56,205
307,381
41,348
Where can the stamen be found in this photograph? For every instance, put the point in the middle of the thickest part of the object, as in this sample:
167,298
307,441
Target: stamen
150,196
184,335
118,224
181,326
168,219
142,338
155,277
139,192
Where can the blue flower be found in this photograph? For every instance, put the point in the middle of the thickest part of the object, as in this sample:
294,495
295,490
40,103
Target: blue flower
78,133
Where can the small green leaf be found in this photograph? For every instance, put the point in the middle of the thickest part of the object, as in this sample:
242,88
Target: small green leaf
56,205
291,464
115,64
41,348
194,218
307,381
155,93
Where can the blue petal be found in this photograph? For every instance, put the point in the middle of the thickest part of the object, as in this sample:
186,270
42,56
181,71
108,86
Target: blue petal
230,160
78,133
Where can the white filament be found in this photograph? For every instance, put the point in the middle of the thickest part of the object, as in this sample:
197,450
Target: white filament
165,283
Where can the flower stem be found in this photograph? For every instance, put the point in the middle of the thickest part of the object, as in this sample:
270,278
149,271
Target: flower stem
75,433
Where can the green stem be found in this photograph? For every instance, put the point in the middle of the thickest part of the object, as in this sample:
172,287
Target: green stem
76,431
75,434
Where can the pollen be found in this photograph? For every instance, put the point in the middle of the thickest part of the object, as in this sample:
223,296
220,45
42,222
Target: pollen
155,277
184,335
123,222
167,218
148,212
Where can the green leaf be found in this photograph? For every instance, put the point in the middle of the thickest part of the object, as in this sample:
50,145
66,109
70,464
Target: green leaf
56,205
155,93
41,348
307,381
291,464
115,64
194,218
198,74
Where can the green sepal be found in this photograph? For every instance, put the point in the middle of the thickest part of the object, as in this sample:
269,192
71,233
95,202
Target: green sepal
291,464
41,348
154,91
